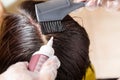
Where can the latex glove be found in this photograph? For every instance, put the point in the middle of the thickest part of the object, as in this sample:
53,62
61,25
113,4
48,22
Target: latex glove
19,71
50,69
92,3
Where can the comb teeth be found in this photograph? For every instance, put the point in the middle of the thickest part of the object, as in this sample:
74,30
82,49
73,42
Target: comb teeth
52,27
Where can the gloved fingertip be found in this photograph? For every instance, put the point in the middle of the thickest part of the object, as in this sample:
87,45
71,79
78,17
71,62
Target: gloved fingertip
56,61
26,64
52,62
22,64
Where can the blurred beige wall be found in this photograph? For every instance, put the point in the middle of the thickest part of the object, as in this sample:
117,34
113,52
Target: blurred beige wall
104,32
11,5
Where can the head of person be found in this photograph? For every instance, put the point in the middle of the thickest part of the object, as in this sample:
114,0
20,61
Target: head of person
21,36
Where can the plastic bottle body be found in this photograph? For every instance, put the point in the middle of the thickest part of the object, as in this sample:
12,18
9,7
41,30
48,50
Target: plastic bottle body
40,56
36,62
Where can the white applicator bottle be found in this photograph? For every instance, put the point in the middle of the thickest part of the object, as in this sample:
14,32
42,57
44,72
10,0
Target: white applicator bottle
39,57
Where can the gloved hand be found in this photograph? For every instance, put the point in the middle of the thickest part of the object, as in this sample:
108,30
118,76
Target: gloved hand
19,71
92,2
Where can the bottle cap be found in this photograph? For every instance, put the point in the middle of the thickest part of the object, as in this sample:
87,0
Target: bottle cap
47,49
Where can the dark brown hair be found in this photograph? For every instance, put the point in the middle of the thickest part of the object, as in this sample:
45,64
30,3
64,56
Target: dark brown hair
19,39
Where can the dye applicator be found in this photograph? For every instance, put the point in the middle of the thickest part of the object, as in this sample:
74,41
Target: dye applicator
39,57
51,13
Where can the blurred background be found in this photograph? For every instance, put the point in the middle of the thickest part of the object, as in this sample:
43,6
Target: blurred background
103,28
11,5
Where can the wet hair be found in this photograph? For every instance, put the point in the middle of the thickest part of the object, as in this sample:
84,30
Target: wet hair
20,38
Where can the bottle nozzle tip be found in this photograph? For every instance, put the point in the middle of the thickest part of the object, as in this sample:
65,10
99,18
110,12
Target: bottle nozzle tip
50,42
51,38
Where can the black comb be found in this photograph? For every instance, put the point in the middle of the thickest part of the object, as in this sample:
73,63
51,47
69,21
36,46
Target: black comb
51,13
